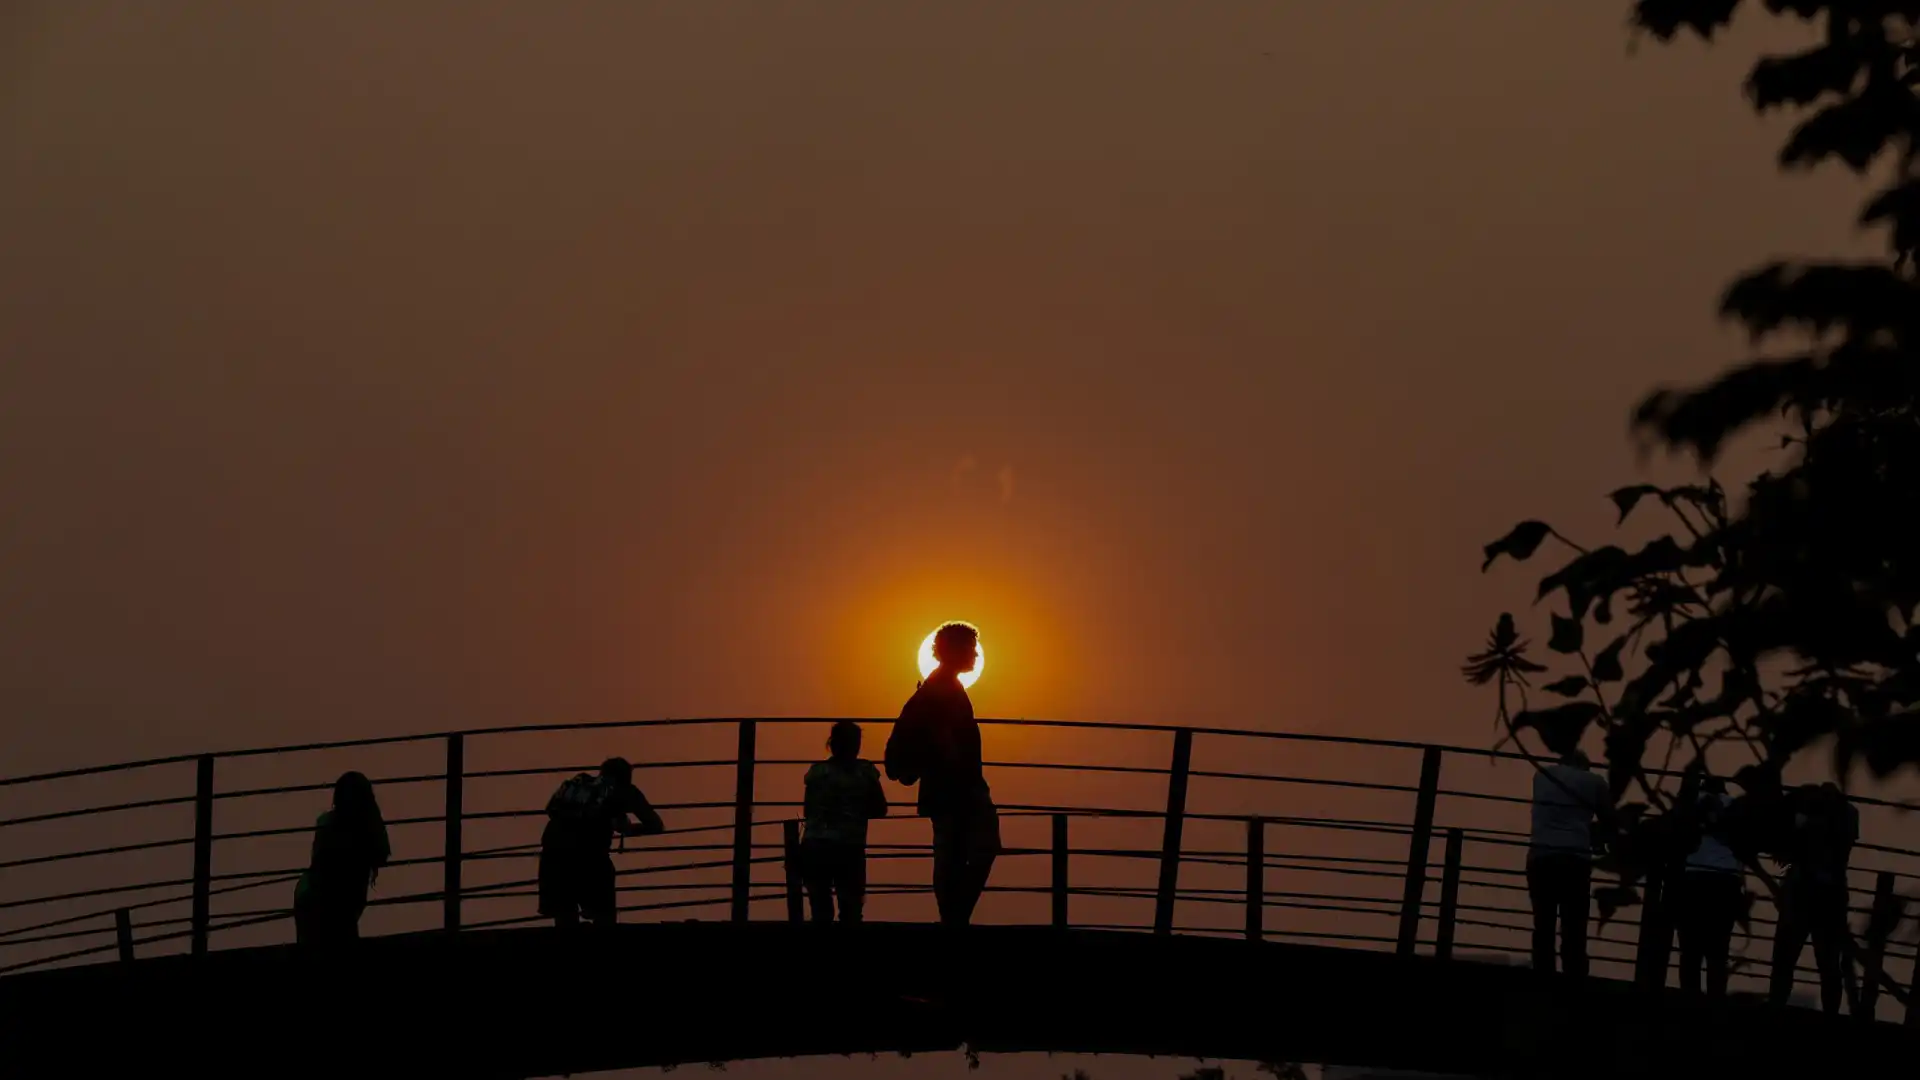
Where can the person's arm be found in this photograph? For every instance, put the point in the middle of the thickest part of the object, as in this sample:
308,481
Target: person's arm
646,821
876,797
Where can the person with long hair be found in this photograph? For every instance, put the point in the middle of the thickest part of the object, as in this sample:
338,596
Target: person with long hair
843,794
349,848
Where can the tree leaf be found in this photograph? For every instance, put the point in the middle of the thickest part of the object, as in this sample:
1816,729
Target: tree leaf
1571,686
1626,498
1606,666
1567,635
1519,544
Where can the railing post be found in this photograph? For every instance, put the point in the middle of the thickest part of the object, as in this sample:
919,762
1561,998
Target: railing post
1170,839
202,854
1878,926
1656,934
790,843
1256,879
1060,851
123,934
1416,884
453,849
743,823
1449,895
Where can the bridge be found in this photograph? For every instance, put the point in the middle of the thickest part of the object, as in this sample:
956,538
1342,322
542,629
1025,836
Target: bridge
1261,895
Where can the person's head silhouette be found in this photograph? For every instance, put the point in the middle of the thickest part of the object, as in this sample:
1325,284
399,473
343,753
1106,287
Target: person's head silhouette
353,795
617,771
844,741
1576,758
956,647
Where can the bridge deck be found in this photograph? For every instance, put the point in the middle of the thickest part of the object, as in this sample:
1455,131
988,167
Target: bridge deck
516,1003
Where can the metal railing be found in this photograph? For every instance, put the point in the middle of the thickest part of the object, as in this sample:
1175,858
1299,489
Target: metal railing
1269,835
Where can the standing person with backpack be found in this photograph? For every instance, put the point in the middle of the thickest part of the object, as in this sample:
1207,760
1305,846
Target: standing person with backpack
576,850
843,794
936,743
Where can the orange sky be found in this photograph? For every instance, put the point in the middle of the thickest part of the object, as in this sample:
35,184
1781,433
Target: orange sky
375,367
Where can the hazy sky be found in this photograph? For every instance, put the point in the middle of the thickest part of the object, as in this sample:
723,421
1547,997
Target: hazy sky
368,367
377,367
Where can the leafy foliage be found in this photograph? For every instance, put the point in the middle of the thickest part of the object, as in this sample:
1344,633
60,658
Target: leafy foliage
1790,617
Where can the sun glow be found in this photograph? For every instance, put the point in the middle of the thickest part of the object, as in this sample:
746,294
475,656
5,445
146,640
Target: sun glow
928,663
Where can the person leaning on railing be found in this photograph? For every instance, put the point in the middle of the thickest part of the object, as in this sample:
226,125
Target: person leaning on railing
576,849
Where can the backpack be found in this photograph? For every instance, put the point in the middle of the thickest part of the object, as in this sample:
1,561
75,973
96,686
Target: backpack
578,801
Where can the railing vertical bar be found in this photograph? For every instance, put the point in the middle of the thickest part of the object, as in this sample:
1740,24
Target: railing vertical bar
202,916
1416,882
1449,895
796,899
1060,851
743,822
452,846
123,934
1170,839
1256,879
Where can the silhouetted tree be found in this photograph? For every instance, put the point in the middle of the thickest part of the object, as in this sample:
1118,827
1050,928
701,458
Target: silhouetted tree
1786,617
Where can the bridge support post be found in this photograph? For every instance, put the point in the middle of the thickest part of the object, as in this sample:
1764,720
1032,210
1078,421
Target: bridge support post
123,934
743,823
452,849
1878,925
1415,890
1256,879
790,844
1449,895
202,917
1175,825
1060,851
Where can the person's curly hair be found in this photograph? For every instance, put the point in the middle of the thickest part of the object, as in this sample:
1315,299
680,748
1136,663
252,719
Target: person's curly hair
954,635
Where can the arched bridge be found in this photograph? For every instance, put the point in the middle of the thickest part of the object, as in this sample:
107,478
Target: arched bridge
1177,891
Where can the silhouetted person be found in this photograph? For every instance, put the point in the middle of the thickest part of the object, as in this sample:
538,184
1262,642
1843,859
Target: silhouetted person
1813,892
576,850
349,848
1567,797
1708,900
936,743
843,794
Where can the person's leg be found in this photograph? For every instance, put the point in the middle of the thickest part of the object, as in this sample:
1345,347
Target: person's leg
1717,933
850,881
1829,930
599,901
1546,909
1690,918
1789,938
816,869
1576,902
982,847
949,867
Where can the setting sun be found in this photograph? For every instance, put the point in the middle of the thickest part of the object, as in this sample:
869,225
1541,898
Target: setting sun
928,663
